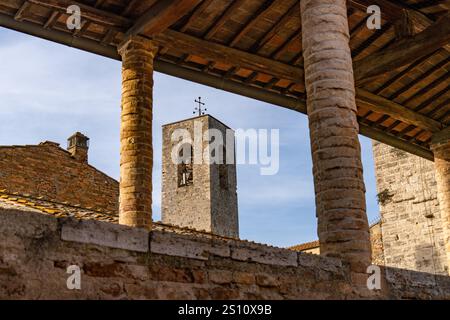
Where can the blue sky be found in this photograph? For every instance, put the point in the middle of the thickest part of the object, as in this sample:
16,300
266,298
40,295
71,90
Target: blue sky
49,91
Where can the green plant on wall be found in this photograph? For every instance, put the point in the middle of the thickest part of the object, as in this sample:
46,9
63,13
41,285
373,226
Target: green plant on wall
384,197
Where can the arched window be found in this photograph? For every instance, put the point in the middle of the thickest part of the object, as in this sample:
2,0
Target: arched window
185,165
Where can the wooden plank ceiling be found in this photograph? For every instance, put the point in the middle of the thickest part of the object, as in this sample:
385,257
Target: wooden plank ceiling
253,48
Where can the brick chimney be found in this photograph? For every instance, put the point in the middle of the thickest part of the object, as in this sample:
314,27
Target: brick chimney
78,146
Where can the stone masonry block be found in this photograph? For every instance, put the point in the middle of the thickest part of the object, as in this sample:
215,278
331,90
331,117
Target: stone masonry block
26,224
105,234
263,254
183,246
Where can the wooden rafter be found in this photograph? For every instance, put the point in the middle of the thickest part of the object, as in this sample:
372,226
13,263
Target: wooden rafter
295,37
369,41
131,5
275,29
259,14
161,16
405,51
404,28
419,79
20,13
196,14
395,110
223,18
402,73
394,141
234,57
88,12
391,10
428,88
431,4
52,19
421,122
99,3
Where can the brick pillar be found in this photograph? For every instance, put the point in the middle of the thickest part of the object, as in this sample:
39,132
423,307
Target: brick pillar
136,151
338,176
440,146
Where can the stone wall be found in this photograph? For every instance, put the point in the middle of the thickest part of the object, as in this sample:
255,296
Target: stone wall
121,262
50,171
224,201
411,220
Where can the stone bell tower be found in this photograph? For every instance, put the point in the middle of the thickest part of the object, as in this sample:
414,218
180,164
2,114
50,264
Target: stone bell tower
198,187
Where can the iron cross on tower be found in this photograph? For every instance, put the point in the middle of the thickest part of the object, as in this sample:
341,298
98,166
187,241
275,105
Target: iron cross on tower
199,109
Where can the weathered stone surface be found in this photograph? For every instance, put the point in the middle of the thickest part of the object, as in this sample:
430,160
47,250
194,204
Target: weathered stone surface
441,149
179,245
105,234
337,167
210,197
33,262
411,224
244,251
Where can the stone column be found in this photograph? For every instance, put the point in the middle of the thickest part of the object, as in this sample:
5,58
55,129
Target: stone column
440,146
338,176
136,151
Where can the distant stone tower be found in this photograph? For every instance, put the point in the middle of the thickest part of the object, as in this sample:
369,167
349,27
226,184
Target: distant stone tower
199,195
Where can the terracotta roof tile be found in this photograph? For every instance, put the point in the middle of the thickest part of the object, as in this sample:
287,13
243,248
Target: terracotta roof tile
50,207
306,246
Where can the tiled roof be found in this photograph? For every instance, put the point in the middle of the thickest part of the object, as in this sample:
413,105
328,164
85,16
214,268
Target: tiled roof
306,246
25,202
39,204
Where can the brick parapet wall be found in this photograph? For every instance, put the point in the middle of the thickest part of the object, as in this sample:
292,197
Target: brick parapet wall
122,262
50,171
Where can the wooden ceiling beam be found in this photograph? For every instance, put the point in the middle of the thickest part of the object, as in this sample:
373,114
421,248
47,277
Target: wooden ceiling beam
432,4
88,12
382,105
296,37
216,52
196,14
54,16
404,52
261,13
276,28
21,12
223,19
392,11
297,104
130,6
395,142
241,59
161,16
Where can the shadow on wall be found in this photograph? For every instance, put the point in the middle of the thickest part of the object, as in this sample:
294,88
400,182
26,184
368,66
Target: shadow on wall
427,260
